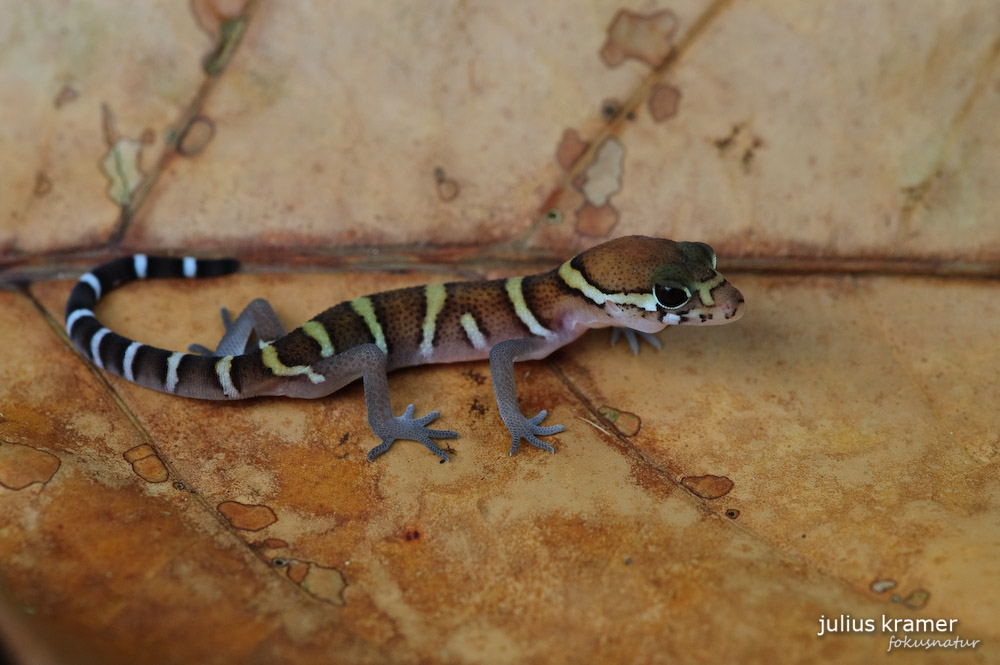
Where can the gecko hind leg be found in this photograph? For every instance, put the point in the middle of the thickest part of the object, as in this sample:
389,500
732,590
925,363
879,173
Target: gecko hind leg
257,318
502,359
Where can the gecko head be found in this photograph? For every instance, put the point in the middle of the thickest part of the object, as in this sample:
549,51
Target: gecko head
649,283
692,291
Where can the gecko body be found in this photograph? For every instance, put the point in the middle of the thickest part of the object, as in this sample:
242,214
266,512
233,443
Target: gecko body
635,282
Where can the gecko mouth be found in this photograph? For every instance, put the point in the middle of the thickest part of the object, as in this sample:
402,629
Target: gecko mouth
718,315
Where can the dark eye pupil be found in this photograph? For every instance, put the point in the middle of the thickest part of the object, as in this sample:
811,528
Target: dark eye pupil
669,296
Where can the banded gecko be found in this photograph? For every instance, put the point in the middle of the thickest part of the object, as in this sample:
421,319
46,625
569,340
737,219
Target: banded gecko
638,283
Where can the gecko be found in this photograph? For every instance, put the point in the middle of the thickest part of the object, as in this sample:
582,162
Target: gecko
636,283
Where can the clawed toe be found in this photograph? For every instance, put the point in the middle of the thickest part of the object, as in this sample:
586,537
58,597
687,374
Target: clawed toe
378,450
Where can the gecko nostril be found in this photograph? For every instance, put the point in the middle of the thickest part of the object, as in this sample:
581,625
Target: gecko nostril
732,308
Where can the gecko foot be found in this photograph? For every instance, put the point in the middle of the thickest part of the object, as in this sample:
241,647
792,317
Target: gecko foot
530,429
407,427
632,337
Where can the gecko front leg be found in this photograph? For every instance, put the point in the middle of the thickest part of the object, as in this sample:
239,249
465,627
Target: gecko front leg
502,358
369,361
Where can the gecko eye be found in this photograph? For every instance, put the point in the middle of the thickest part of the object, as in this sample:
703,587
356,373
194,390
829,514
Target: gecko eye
671,295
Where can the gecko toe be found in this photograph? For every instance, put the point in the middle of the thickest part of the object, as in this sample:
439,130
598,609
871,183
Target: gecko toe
442,434
429,418
378,450
632,337
431,446
538,443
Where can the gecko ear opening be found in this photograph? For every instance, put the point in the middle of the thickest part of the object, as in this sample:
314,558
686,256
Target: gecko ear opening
612,308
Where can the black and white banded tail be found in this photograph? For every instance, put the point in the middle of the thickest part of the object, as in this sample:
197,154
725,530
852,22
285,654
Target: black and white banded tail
185,374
